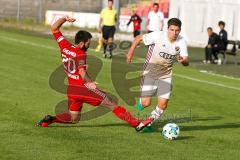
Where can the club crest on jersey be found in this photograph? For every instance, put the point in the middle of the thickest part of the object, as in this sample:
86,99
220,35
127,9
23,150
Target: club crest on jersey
177,49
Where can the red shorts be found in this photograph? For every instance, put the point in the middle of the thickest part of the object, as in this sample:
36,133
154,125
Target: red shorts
77,95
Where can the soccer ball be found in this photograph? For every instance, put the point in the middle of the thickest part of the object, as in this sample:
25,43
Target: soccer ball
171,131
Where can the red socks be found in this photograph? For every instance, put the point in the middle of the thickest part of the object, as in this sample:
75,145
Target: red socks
123,114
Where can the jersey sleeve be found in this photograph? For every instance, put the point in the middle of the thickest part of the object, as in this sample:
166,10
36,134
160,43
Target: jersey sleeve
62,42
102,13
183,48
150,38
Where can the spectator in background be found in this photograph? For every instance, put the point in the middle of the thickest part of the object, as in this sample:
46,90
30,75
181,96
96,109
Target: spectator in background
107,24
155,19
136,19
222,36
212,47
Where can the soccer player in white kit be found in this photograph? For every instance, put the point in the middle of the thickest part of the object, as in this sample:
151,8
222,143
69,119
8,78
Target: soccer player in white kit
164,48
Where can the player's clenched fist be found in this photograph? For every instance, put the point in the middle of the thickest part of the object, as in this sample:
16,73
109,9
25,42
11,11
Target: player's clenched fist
129,57
69,19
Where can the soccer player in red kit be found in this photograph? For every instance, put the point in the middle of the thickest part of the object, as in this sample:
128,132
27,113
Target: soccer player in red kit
136,19
81,89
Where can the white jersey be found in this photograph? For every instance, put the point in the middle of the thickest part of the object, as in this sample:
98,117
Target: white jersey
161,54
154,20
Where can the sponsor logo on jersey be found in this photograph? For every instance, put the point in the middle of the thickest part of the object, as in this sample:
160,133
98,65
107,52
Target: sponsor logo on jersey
166,55
60,39
67,52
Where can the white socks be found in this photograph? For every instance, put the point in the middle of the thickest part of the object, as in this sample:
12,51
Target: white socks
156,113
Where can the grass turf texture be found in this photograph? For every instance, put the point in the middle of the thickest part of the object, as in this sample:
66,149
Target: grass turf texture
26,64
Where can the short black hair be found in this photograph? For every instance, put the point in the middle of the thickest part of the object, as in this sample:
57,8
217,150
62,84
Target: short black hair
209,28
175,22
221,23
155,4
82,36
110,1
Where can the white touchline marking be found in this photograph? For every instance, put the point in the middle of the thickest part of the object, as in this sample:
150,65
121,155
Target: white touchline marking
219,75
207,82
28,43
177,75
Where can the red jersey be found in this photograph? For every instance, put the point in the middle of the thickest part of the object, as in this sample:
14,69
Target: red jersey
136,22
73,58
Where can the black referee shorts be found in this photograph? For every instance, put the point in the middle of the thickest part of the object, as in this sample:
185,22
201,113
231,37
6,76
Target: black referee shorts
108,32
136,33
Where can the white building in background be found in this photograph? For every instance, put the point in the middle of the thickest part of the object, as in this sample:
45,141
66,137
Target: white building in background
197,15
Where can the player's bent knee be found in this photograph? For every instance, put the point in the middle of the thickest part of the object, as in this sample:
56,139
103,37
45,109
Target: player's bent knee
163,103
75,116
146,103
110,40
104,41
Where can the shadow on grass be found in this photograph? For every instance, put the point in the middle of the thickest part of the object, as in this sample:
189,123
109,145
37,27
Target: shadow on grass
209,127
157,127
91,126
184,138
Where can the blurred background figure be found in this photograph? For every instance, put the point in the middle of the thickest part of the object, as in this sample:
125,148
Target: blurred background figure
108,19
223,36
137,20
155,19
212,47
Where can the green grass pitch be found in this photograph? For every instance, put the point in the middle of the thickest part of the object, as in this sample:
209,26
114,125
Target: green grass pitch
205,106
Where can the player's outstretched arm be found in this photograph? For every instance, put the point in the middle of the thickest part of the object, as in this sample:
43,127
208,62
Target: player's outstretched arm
100,25
161,25
130,54
57,25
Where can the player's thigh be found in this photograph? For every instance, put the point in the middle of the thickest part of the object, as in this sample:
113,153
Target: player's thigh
148,87
74,103
105,34
111,34
81,94
93,97
164,91
109,102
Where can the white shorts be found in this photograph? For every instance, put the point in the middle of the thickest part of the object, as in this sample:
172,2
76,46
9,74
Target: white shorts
156,87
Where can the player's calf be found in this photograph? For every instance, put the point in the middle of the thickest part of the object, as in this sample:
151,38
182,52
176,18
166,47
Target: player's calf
124,115
143,103
71,117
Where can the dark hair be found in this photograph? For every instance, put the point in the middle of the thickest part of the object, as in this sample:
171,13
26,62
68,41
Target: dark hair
110,1
221,23
175,22
155,4
209,28
82,36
